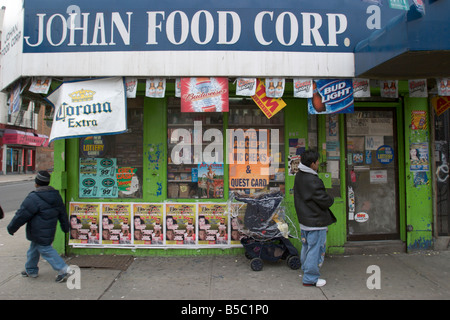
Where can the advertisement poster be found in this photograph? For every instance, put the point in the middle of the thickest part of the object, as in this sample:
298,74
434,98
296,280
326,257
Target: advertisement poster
212,224
274,87
127,180
443,85
210,179
245,87
269,106
180,223
418,120
303,88
40,85
90,107
155,87
331,96
249,162
418,88
204,94
389,89
98,178
116,223
361,88
148,219
92,146
237,213
418,156
385,154
84,223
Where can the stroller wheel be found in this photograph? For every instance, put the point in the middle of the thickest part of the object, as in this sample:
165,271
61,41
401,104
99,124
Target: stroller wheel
256,264
293,262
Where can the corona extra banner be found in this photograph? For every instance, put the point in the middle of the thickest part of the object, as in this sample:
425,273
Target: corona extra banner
88,108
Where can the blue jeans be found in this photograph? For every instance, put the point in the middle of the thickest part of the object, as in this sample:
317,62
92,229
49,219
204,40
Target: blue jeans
49,254
312,254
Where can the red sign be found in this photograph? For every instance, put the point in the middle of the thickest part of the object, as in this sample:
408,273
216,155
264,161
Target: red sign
24,138
204,95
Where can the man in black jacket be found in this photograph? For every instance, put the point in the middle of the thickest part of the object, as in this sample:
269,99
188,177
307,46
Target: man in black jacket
312,204
41,210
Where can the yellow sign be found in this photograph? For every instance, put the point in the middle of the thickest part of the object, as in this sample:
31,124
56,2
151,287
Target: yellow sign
269,106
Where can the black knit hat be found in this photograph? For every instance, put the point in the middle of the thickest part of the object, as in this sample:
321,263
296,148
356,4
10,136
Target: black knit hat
42,178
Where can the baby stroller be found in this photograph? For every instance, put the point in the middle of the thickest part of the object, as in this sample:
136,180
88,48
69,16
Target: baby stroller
266,232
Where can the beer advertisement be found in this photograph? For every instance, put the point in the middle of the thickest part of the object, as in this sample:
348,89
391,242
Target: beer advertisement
331,96
204,94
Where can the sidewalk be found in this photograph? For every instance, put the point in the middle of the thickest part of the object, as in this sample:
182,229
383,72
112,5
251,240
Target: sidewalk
8,178
422,275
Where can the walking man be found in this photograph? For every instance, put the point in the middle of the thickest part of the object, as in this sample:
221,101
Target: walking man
312,204
41,210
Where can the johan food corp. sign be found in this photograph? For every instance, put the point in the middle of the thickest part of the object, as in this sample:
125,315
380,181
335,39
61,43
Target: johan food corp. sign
88,108
251,38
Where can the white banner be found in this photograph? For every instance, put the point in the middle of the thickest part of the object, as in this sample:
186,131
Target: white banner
90,107
303,88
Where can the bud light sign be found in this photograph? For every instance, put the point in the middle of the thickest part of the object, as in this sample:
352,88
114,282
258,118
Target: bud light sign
331,96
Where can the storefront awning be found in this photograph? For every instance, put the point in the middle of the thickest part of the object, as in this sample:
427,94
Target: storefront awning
18,137
411,46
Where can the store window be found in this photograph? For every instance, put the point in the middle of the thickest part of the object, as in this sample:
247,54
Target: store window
195,168
333,155
258,141
110,166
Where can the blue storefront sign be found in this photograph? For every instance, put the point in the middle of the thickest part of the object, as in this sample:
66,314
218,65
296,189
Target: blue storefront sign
110,25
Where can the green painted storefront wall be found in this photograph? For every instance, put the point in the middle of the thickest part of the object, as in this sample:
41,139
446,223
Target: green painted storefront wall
414,202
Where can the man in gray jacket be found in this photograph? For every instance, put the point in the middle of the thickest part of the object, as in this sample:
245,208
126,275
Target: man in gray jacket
41,210
312,204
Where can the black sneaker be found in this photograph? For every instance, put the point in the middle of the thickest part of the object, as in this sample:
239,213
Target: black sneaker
63,277
26,274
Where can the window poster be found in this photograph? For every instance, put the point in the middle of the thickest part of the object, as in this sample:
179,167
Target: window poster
212,224
148,219
180,223
237,213
98,178
84,223
116,223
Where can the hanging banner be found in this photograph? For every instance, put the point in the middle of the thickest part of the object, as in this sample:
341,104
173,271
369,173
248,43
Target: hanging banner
204,95
178,87
303,88
155,87
269,106
331,96
418,88
443,85
15,99
361,88
389,89
90,107
40,85
245,87
275,87
131,84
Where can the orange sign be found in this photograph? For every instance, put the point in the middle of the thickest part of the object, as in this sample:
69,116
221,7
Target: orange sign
440,104
269,106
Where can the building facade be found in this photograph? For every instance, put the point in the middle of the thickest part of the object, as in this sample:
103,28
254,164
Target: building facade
165,184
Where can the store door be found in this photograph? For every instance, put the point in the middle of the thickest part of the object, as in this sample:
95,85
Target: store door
372,181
